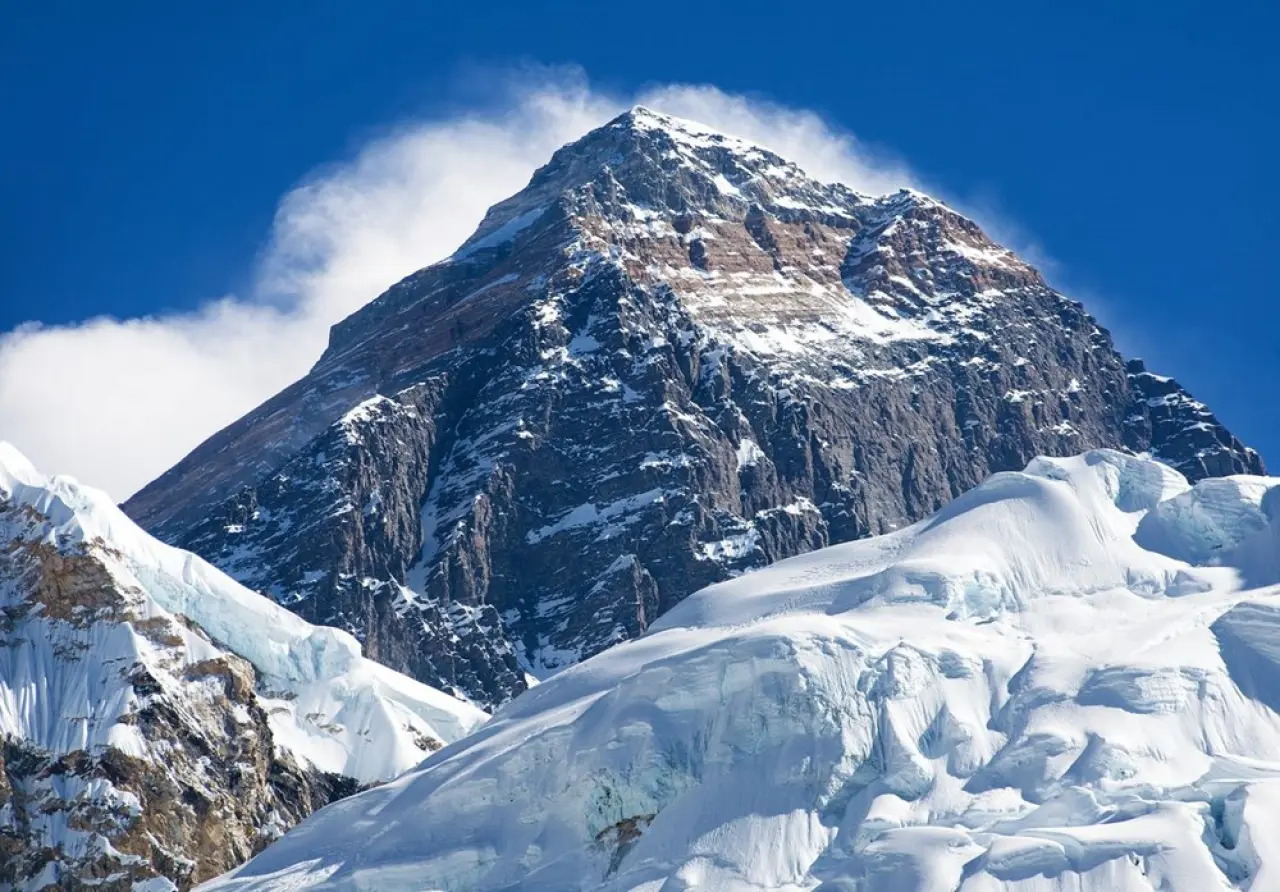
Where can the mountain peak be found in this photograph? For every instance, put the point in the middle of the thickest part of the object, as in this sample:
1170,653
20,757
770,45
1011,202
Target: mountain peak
644,162
643,119
640,116
672,357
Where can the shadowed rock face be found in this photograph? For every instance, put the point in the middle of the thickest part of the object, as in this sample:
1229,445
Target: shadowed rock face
673,357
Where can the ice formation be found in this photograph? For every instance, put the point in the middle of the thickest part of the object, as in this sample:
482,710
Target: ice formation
1067,679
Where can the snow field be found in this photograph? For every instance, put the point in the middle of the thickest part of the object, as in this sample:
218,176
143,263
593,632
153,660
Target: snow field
1058,682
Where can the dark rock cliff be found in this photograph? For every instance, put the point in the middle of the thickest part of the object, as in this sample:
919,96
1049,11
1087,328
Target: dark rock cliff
673,357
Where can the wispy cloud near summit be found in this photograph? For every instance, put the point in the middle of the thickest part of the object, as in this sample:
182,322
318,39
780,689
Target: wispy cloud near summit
117,401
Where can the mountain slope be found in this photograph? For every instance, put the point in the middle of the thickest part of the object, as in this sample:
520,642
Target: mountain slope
1063,680
159,723
671,358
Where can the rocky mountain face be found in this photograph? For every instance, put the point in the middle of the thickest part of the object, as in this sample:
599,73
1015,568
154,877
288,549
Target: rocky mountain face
159,724
673,357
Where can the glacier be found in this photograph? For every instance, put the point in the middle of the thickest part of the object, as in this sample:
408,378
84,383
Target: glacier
329,707
1066,679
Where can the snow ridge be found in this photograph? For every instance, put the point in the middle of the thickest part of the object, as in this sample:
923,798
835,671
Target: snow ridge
330,707
1064,680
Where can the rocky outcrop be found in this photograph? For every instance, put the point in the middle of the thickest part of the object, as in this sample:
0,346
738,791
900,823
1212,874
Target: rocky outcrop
83,816
104,820
1181,431
672,358
139,752
334,534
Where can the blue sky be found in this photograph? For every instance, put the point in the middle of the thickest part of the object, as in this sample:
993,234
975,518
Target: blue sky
148,145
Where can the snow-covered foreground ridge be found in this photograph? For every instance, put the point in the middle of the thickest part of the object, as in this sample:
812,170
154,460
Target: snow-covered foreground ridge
1069,678
65,684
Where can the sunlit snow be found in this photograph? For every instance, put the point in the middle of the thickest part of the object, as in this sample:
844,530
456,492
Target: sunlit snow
328,706
1067,679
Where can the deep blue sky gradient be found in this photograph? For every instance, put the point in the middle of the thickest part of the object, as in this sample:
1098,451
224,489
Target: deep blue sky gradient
145,145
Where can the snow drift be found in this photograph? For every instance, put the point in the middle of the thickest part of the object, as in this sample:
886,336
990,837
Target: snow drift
1069,678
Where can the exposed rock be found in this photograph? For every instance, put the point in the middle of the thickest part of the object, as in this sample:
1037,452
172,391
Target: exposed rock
136,751
98,817
1183,432
672,358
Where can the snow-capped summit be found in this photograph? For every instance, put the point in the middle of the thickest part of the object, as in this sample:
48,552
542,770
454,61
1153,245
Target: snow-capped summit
672,357
643,164
160,722
1066,679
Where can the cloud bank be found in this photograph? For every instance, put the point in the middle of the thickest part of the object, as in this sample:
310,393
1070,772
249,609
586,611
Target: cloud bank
115,402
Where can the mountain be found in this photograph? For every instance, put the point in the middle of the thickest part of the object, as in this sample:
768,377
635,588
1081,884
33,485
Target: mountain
1066,679
671,358
159,723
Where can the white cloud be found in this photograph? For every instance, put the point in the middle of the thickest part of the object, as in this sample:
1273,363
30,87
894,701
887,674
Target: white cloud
116,402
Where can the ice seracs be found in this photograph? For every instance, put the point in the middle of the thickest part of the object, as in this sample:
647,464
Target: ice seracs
1067,679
